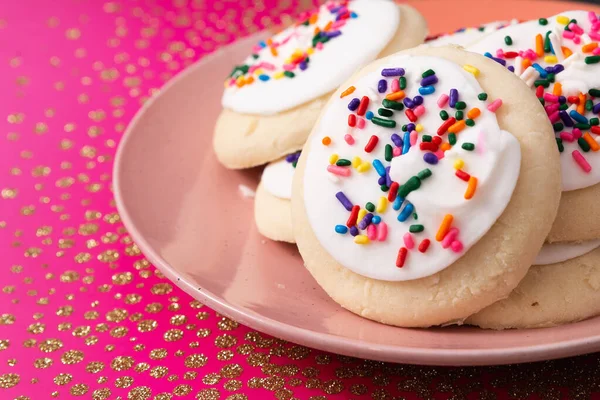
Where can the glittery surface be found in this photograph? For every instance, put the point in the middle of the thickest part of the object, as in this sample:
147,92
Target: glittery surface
83,314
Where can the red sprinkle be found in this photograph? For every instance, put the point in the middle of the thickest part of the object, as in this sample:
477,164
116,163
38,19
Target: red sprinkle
371,144
444,127
595,129
353,216
352,119
424,245
511,54
401,257
429,146
539,91
573,99
410,115
393,191
463,175
362,107
437,140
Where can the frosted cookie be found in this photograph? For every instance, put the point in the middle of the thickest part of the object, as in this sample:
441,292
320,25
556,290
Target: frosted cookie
563,286
559,58
272,205
466,36
272,100
412,198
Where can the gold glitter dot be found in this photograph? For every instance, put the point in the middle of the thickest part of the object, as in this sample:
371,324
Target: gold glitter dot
139,393
158,354
36,328
163,396
79,389
178,319
123,382
225,324
147,325
142,367
208,394
94,367
162,288
159,372
64,311
225,341
119,331
122,278
9,193
232,371
72,357
245,349
4,344
43,363
9,380
173,335
233,385
101,394
91,340
202,315
211,379
50,345
195,360
133,298
182,390
116,315
122,363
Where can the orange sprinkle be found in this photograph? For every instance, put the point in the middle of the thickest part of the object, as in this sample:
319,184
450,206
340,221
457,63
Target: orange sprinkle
269,42
240,81
557,90
566,51
313,19
444,227
273,51
445,146
326,141
328,26
399,95
539,45
590,140
526,63
581,105
317,30
457,127
348,91
473,113
588,48
471,187
249,80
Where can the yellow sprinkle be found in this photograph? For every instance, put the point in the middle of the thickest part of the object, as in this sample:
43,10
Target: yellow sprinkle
310,51
278,75
363,167
288,60
258,71
361,239
333,158
382,205
459,163
419,128
471,69
361,214
551,59
356,161
561,19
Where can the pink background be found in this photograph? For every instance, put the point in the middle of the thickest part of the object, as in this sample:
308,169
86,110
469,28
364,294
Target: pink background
82,312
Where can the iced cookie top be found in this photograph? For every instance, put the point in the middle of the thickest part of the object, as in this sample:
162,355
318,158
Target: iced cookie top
311,58
278,176
553,253
408,169
466,36
559,58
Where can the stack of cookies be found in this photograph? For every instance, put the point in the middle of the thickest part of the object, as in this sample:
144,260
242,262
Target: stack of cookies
447,183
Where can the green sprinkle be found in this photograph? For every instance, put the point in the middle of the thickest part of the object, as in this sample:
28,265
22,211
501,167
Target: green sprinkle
542,101
444,115
508,40
594,92
583,144
541,82
342,162
402,81
385,112
452,138
594,121
460,105
289,74
415,216
394,105
558,127
550,77
426,138
543,21
563,107
389,153
470,122
424,174
370,207
459,115
404,128
386,123
413,183
255,56
295,163
427,73
384,188
589,105
547,45
582,126
559,143
416,228
482,96
592,59
468,146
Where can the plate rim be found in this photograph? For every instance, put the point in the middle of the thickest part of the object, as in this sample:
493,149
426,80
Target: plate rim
317,340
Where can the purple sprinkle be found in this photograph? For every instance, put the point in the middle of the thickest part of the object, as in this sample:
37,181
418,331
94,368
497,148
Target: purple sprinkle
565,118
418,100
303,65
562,99
366,221
408,103
388,179
333,34
381,180
453,97
511,68
430,158
430,80
411,127
382,86
397,140
550,69
558,68
499,61
291,158
335,9
392,72
353,105
344,200
354,231
596,109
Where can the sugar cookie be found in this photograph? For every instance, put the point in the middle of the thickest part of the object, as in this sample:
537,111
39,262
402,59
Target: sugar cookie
417,209
466,36
559,58
273,99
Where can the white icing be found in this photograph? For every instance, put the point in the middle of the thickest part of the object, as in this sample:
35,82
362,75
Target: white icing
469,35
497,169
361,41
277,179
246,192
559,252
576,77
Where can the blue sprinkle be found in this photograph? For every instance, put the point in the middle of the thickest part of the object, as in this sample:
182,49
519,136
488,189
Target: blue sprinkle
341,229
397,203
406,212
369,115
488,54
382,86
379,167
264,77
430,158
353,15
539,69
376,219
578,117
398,140
354,231
353,105
262,44
406,145
425,90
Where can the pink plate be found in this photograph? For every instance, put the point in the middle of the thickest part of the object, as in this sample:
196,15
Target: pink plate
189,217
